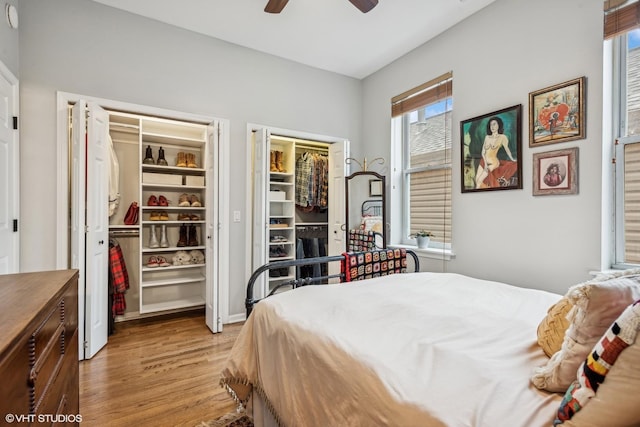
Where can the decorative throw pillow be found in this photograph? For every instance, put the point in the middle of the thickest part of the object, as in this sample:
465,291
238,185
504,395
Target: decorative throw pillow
598,369
597,303
553,327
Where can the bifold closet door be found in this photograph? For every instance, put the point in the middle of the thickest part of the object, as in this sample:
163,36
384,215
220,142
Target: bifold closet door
90,223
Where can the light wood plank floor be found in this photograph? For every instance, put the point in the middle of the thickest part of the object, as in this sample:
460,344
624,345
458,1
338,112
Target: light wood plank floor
161,372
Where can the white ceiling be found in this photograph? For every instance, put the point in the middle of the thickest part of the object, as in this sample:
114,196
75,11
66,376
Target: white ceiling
329,34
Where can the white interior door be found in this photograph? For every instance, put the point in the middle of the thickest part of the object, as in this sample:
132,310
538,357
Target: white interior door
90,223
9,173
78,213
261,144
212,242
338,152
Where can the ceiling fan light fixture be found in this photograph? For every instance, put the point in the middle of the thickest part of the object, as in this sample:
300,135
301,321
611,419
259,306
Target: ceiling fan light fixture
364,5
275,6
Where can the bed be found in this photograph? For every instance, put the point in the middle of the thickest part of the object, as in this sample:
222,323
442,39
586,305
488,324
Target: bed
419,349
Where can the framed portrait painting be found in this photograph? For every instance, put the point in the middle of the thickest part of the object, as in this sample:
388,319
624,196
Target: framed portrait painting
491,147
555,172
557,113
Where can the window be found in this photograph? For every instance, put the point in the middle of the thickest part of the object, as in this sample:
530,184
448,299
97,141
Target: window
422,148
621,25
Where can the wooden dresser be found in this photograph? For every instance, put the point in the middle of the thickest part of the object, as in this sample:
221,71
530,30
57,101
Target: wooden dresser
39,348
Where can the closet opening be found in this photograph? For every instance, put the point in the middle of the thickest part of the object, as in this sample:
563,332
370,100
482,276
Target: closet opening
144,194
297,202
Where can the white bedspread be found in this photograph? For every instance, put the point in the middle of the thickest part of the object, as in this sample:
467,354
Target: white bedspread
416,349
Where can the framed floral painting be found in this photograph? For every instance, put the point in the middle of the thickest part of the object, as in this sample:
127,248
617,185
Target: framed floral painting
557,113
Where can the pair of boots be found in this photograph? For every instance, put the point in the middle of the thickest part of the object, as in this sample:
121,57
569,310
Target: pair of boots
186,160
277,157
188,236
148,157
153,238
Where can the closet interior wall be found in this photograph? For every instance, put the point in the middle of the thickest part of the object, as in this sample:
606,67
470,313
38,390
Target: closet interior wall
296,229
125,136
164,251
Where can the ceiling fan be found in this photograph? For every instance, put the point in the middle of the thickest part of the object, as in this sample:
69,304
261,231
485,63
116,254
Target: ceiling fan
276,6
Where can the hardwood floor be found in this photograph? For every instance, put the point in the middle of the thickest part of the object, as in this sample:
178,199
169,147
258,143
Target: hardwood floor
157,373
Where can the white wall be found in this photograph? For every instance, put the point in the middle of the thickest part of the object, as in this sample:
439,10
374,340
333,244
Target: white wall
83,47
498,56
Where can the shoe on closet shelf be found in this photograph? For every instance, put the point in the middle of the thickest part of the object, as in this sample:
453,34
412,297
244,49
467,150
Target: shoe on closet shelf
184,217
162,262
195,201
191,160
153,201
181,160
164,216
154,216
183,200
152,262
195,217
148,157
162,201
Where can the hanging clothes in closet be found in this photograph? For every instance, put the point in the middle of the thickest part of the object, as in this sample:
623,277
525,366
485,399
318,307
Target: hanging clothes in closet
311,242
312,181
118,282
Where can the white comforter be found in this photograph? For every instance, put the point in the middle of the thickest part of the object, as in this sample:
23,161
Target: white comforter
416,349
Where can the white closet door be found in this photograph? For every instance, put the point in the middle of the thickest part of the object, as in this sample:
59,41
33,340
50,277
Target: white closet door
78,167
338,152
9,184
97,221
212,229
261,144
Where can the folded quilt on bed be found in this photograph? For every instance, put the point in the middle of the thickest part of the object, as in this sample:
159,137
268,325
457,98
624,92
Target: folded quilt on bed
417,349
374,263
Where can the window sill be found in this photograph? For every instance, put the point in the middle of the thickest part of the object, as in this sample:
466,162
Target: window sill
433,253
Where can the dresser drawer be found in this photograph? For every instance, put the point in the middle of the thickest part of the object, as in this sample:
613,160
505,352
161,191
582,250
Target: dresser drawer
46,352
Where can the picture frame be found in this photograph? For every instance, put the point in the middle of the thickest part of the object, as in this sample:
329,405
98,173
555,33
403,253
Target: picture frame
557,113
375,187
495,139
555,172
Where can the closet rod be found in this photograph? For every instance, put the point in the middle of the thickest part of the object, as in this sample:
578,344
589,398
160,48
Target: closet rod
306,147
124,233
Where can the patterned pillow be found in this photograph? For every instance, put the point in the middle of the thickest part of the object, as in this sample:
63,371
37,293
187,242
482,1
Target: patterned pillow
593,371
553,327
597,303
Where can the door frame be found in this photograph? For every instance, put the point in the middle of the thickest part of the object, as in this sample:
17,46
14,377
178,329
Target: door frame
249,184
14,176
63,99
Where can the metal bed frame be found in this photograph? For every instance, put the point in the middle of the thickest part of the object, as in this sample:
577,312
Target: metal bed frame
250,301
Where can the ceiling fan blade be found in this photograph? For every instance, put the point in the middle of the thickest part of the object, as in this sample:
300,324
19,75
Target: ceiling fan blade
275,6
364,5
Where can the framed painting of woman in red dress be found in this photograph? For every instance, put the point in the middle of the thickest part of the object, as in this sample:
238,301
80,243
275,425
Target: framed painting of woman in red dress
557,113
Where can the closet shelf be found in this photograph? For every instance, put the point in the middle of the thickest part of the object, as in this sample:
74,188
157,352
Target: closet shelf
194,301
173,267
172,187
171,208
171,222
163,139
173,281
177,170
